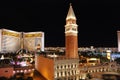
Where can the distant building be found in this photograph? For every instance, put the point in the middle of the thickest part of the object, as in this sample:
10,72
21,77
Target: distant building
118,35
12,41
9,40
33,41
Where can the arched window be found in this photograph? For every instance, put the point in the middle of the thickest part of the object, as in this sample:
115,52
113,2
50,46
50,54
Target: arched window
61,66
65,66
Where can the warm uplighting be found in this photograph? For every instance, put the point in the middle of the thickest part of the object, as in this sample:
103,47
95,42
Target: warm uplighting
2,57
108,54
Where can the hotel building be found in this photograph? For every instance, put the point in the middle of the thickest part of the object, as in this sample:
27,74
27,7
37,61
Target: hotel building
33,41
9,40
13,41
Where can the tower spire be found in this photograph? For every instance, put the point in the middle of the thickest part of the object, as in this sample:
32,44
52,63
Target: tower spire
71,14
70,4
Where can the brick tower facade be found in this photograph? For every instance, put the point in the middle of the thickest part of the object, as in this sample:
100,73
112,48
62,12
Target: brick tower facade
71,38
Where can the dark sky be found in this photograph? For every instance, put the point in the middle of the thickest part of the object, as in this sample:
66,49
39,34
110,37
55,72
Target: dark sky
98,21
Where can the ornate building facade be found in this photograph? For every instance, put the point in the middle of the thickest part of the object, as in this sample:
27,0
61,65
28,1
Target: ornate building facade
66,69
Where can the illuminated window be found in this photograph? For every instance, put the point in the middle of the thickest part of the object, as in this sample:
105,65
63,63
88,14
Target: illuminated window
67,29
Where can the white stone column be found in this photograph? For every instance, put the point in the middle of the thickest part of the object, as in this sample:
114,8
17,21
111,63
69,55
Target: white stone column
63,73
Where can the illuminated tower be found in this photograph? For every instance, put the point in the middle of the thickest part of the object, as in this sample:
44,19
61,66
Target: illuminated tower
71,37
118,36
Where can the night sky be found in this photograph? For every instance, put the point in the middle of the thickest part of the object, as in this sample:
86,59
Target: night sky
98,21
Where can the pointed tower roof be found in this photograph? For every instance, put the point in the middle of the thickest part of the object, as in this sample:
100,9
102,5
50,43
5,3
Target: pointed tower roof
70,14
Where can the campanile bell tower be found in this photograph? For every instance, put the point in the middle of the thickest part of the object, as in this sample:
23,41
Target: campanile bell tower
71,38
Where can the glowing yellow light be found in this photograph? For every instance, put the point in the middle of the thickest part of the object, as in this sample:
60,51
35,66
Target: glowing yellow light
108,54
